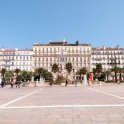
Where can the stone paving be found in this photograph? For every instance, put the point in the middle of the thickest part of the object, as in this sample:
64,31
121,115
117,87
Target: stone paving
98,104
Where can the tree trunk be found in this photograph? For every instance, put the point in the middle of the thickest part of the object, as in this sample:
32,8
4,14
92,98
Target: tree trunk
115,77
107,77
120,77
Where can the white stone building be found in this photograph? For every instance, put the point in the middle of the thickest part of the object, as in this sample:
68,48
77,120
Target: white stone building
12,59
108,57
45,55
7,58
23,59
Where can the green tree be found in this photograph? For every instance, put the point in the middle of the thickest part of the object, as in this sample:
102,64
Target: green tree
115,69
98,71
95,73
19,77
81,72
3,71
99,68
120,70
9,75
39,71
25,75
68,67
107,73
48,76
29,76
17,71
55,68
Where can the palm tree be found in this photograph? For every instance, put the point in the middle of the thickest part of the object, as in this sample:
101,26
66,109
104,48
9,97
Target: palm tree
38,73
82,71
68,67
55,68
95,73
3,71
115,69
107,73
120,70
17,71
98,70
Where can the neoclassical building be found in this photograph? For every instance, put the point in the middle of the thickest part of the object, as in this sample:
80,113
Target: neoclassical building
45,55
7,58
23,59
108,57
12,59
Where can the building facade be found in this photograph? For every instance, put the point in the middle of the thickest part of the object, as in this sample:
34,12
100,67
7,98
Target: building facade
23,59
108,57
7,58
45,55
11,59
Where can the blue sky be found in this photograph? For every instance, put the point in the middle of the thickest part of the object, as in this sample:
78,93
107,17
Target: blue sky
24,22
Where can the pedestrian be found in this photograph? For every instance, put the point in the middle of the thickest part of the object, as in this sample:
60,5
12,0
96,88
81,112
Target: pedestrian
51,83
11,84
66,82
2,84
17,84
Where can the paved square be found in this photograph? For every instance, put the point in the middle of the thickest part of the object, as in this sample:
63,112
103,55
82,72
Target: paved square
98,104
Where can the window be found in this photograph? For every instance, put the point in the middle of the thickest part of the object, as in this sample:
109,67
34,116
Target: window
46,59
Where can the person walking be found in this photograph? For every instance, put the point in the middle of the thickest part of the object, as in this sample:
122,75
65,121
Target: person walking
51,83
12,83
66,82
2,84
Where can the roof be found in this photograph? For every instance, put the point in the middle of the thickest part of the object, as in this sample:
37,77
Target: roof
14,50
61,43
106,48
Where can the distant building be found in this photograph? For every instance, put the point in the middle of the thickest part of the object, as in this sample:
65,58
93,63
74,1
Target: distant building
108,57
23,59
61,52
45,55
7,58
12,59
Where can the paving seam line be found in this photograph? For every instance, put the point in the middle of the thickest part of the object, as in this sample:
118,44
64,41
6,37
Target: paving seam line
17,99
64,106
109,94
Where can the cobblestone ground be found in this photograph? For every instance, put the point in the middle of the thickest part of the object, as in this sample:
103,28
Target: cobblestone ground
100,104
